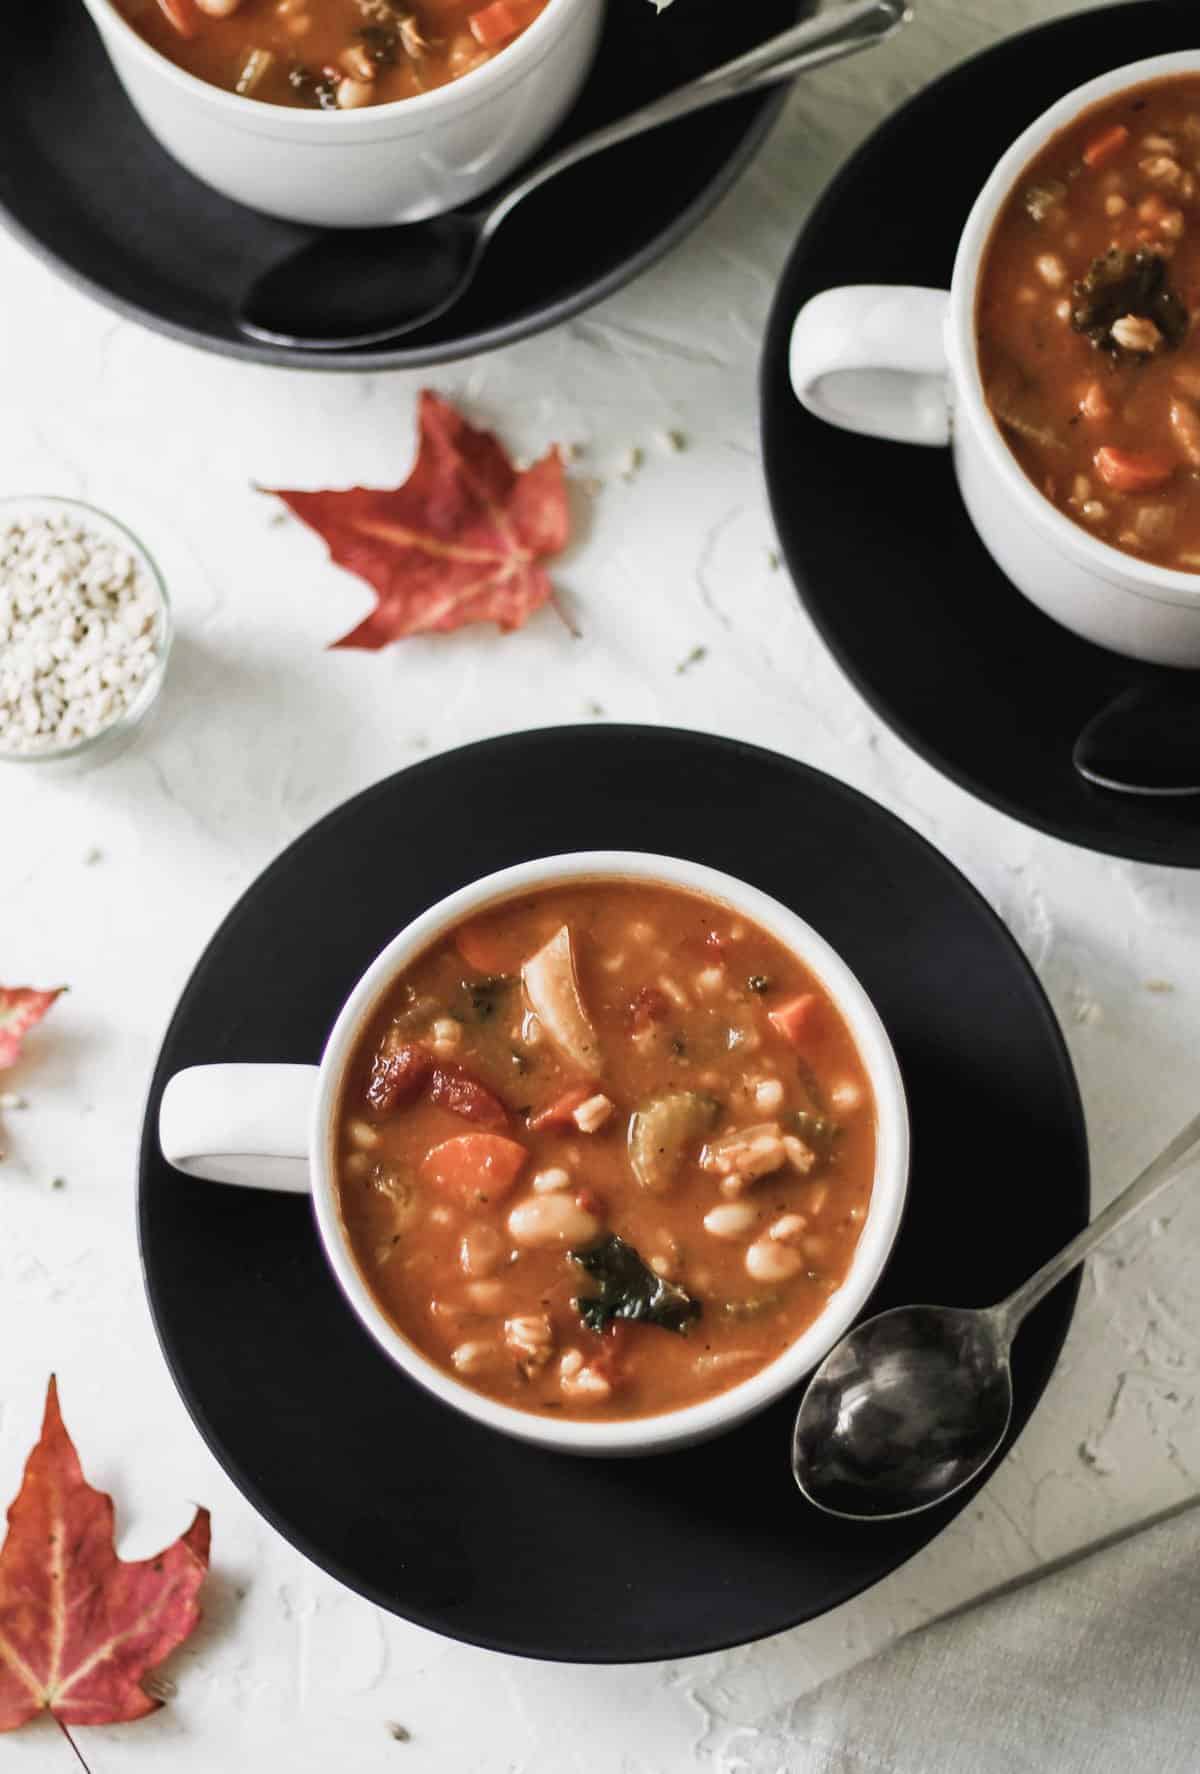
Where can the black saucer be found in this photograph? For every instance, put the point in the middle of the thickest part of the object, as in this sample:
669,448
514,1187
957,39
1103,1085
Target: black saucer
89,189
911,605
442,1521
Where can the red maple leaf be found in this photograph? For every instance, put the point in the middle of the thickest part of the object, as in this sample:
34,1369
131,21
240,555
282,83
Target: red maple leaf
79,1627
461,541
20,1008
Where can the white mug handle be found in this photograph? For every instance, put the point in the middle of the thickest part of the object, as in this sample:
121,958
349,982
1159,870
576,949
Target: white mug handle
240,1124
871,358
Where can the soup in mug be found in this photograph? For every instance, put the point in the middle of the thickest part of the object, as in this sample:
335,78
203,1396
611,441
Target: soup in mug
605,1150
1088,298
329,54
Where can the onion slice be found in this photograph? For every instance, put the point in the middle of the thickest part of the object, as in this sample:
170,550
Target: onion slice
552,987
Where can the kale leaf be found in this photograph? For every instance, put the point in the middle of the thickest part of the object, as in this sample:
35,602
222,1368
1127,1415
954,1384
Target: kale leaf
1122,283
629,1289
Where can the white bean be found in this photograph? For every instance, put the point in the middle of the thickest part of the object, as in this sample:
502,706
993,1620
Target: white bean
732,1219
353,94
359,66
586,1387
768,1095
846,1096
470,1358
481,1252
548,1182
363,1135
219,8
767,1260
548,1220
486,1296
789,1228
799,1156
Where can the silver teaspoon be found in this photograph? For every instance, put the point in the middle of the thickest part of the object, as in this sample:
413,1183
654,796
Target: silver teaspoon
349,290
1146,741
913,1404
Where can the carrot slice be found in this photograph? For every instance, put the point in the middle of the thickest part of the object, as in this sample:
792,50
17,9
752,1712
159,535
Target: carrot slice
559,1112
474,1169
493,24
1106,146
501,20
183,14
1133,471
482,948
794,1020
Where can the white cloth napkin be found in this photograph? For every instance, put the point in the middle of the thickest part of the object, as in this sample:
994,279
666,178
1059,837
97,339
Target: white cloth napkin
1091,1667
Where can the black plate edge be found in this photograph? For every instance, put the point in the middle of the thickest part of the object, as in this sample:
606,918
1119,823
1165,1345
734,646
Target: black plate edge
772,372
449,350
745,751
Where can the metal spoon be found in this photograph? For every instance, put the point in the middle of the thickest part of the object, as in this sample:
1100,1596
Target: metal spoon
913,1404
348,290
1146,741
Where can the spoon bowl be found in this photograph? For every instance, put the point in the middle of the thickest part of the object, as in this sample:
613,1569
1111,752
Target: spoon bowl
908,1409
912,1405
331,295
1146,741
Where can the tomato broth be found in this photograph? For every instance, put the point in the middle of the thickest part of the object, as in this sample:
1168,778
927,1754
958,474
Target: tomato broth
1088,295
606,1150
329,54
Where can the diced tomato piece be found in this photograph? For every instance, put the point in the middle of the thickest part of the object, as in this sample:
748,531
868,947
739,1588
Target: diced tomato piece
559,1112
794,1020
452,1087
1133,471
1106,146
398,1076
495,23
590,1202
482,948
475,1169
647,1007
183,14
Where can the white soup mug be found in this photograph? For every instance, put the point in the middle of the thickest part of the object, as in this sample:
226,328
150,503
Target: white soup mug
275,1127
396,162
902,363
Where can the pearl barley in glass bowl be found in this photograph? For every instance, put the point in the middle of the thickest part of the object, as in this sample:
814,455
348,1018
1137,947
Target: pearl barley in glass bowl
85,631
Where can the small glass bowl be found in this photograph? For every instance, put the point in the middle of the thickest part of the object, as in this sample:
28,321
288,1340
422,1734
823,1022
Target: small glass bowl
99,747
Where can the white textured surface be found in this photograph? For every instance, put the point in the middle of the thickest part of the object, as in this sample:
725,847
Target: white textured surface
262,730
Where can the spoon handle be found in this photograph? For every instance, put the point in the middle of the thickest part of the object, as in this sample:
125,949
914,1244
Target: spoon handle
1182,1151
826,38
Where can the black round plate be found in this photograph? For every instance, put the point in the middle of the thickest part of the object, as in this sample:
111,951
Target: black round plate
413,1505
84,183
910,603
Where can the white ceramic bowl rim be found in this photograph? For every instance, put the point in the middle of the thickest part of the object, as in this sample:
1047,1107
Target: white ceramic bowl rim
500,69
1163,584
875,1240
